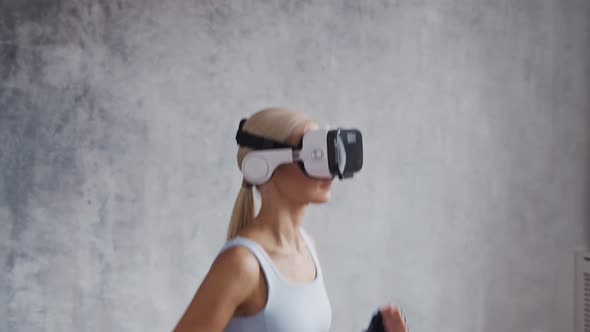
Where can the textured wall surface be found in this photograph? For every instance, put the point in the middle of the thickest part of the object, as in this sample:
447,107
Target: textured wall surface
118,173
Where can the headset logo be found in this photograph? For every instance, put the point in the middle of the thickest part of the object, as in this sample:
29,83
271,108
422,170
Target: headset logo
317,154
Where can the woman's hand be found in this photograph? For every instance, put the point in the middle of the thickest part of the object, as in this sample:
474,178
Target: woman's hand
393,319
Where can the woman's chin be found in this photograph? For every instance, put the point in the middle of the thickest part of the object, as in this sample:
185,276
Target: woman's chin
322,197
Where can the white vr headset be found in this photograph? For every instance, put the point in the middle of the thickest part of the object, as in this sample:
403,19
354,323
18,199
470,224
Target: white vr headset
321,153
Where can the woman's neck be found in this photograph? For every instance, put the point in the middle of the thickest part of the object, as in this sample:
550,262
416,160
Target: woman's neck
283,221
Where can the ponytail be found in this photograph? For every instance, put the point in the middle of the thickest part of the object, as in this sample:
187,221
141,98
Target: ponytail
243,211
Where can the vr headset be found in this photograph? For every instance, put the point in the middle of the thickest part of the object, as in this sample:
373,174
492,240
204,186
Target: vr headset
321,153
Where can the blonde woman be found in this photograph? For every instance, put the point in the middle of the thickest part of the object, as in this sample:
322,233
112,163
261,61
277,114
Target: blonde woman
267,277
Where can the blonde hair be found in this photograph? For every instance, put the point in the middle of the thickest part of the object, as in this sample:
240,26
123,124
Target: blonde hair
274,123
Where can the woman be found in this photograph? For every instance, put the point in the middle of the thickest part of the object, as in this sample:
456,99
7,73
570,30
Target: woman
267,277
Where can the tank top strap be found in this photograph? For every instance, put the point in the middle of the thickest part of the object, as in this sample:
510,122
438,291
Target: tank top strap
261,255
312,249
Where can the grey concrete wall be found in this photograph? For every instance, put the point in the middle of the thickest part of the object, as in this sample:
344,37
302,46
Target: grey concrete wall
117,159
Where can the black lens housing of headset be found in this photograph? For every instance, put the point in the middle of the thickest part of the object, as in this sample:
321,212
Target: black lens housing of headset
345,152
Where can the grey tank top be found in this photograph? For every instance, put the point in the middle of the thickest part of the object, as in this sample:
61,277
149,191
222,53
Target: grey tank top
289,307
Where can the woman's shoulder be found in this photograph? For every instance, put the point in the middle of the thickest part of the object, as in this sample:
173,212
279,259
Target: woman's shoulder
237,259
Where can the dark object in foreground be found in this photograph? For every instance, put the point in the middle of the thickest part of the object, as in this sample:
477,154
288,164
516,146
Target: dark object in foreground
376,324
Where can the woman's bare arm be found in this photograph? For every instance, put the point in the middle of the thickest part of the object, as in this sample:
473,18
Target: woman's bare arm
232,278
